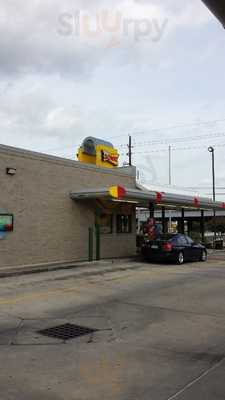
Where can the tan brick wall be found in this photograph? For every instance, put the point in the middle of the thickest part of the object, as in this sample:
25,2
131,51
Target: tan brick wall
49,226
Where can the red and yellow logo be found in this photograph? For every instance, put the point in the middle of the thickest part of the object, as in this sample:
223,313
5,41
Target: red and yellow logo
117,192
111,158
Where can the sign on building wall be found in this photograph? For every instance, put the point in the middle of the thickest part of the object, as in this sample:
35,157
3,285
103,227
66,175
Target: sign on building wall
6,222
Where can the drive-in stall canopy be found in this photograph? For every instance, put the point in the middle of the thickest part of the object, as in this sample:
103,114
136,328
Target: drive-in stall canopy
151,200
145,198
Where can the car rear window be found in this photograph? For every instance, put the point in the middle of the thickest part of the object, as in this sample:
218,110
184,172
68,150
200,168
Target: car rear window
167,237
180,240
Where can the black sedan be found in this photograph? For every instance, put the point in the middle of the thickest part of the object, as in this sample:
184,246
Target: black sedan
174,247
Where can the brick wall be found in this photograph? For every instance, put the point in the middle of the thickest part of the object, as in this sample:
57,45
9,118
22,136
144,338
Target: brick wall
49,226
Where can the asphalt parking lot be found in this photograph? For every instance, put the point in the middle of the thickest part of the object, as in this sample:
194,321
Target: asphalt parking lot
159,333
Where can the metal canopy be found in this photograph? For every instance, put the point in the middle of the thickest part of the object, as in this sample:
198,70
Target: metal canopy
143,198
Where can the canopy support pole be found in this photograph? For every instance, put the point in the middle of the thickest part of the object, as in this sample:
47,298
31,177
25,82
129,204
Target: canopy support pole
151,210
202,226
182,221
164,224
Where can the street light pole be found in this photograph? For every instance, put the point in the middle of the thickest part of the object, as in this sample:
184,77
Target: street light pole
212,151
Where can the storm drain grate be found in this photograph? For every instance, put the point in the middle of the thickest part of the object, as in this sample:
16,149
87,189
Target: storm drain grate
67,331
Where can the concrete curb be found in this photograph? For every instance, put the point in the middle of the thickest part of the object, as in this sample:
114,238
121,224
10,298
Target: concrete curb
82,269
90,268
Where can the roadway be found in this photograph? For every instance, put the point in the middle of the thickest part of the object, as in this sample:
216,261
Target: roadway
160,334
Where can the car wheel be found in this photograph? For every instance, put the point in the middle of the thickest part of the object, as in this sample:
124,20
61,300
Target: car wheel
203,256
180,258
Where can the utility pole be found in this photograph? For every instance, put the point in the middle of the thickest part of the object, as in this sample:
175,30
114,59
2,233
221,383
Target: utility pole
130,147
212,151
170,165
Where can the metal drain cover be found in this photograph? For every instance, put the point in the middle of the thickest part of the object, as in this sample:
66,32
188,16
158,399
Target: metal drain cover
66,331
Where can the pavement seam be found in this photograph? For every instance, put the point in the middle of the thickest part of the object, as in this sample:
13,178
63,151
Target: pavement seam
196,380
170,309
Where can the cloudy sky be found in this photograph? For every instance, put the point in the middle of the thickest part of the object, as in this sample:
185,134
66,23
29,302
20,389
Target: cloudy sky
153,69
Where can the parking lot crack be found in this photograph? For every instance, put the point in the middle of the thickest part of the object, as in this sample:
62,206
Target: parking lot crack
196,380
13,341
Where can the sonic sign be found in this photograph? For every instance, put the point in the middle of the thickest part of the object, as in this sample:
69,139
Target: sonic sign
110,158
98,152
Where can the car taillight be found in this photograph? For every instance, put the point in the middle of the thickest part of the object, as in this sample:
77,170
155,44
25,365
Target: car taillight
167,247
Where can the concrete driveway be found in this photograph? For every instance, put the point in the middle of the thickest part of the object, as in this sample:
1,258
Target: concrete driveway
160,333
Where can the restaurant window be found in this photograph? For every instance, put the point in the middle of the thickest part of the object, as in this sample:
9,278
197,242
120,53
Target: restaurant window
124,223
106,223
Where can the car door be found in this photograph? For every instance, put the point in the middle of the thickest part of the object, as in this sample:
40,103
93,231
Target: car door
182,245
194,248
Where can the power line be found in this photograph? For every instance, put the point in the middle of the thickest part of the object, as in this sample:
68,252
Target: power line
169,128
215,135
175,149
161,141
182,139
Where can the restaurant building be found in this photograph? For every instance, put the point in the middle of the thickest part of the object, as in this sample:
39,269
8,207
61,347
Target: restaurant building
60,211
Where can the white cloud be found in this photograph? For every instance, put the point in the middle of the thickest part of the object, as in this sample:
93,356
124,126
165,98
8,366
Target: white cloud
62,119
30,39
55,89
